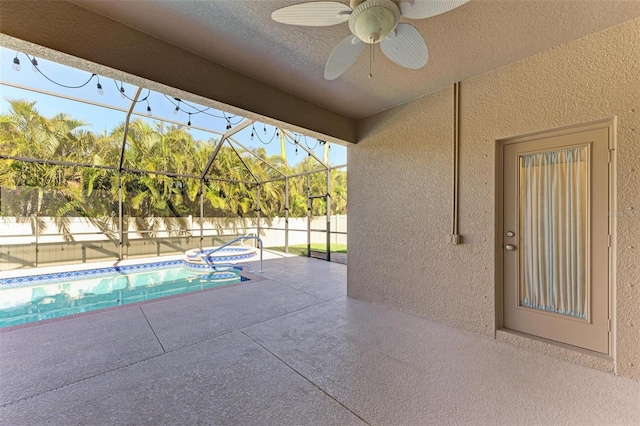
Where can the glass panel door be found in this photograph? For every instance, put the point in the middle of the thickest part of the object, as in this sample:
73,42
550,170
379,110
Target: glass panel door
553,225
555,258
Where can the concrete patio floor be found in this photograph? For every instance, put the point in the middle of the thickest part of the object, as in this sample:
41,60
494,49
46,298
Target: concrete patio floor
290,349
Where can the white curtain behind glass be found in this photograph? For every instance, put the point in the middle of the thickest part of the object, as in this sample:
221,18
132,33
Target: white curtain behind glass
553,226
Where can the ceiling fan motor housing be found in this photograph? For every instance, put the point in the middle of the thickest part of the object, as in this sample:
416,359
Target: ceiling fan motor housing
373,20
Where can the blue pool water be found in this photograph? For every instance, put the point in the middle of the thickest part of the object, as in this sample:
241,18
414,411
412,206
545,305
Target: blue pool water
36,299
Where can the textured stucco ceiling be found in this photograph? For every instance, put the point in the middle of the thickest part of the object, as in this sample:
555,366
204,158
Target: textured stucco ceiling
475,38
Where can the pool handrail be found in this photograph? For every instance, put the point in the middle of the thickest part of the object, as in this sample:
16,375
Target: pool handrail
244,237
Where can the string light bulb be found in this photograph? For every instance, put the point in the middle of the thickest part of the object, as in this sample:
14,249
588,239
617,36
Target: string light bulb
34,62
99,87
148,109
189,122
265,130
278,132
252,135
175,111
16,63
122,91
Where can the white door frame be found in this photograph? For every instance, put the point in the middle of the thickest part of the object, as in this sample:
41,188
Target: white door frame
608,123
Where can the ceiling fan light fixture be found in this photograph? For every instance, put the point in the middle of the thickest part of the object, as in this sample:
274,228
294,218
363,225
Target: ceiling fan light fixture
370,22
373,20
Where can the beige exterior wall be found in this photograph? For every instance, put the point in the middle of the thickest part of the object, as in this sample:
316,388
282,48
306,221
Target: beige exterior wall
400,183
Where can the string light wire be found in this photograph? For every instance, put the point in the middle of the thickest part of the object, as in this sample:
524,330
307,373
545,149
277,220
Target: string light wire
34,62
257,134
121,90
178,106
180,102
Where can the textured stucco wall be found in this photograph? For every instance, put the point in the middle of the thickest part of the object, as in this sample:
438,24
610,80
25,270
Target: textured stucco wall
400,182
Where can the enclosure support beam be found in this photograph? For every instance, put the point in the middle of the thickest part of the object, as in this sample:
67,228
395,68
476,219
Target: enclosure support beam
256,156
37,229
212,158
262,182
246,182
201,212
258,209
309,215
126,126
328,200
55,162
286,215
307,173
242,125
120,219
244,163
120,193
157,172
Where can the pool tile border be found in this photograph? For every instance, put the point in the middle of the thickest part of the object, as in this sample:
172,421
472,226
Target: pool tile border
86,273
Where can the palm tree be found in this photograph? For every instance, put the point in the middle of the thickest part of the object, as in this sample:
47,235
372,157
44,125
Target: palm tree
46,189
153,200
31,190
338,191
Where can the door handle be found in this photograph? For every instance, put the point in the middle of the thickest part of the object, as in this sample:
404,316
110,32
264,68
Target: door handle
510,247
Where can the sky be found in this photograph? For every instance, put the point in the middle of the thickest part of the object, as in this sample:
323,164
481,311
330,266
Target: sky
100,119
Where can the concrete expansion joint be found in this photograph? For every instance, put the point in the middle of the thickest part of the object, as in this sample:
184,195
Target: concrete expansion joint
152,330
215,336
301,291
241,330
176,349
206,339
104,373
305,378
309,294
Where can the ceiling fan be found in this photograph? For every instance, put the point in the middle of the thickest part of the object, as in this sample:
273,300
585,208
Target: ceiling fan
370,22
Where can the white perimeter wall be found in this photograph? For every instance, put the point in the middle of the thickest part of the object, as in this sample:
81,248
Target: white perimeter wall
13,231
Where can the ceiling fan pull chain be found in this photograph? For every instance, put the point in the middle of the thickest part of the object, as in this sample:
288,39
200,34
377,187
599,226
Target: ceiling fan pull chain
370,60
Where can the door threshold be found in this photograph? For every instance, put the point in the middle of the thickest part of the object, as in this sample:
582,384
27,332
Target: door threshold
572,354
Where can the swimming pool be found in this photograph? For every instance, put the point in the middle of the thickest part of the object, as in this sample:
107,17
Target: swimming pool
36,298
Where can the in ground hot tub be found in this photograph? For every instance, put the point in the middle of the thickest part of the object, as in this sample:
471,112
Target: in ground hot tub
196,259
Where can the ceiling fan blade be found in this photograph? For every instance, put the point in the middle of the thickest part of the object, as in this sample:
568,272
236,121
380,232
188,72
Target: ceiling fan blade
342,57
314,14
407,48
420,9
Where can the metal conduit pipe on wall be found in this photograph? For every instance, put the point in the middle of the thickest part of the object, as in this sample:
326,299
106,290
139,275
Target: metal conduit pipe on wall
455,236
